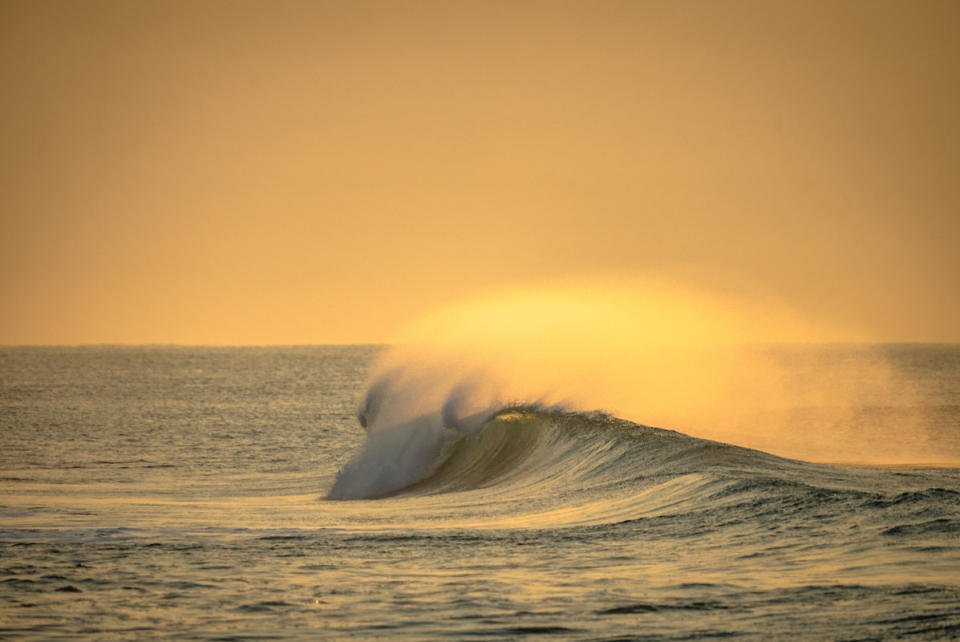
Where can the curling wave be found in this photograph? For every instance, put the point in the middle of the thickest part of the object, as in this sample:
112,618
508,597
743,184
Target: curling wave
451,457
426,436
465,445
529,450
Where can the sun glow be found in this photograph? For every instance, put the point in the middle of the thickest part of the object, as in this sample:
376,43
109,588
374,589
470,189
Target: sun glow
714,365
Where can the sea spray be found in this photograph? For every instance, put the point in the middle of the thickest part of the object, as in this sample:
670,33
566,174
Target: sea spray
707,365
412,418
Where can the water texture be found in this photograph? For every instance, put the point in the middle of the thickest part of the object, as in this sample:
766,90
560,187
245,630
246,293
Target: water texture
231,493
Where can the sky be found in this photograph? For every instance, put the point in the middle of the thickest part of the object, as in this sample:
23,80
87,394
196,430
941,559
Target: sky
277,172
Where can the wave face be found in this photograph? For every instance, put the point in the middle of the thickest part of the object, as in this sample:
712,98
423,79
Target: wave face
427,437
455,456
523,451
441,419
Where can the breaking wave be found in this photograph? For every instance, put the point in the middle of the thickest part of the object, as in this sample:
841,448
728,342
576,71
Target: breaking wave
502,395
528,449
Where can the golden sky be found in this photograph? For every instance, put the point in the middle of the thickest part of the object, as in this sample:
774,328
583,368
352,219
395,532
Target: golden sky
231,172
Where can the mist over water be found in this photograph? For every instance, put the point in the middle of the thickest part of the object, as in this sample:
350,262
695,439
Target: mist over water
729,368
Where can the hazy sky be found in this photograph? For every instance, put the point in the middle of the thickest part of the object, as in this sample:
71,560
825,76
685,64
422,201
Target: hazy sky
310,172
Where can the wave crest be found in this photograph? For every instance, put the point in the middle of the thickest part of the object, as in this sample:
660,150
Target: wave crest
425,436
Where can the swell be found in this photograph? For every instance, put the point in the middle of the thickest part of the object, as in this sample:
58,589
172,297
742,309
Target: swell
531,450
525,448
428,435
535,467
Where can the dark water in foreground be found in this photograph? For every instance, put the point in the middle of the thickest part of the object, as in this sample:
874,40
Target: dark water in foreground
180,492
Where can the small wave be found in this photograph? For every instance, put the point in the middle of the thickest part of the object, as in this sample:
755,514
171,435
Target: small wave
931,527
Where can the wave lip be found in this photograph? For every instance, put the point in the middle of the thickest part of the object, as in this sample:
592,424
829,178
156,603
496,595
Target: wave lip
425,438
392,458
529,466
428,437
519,450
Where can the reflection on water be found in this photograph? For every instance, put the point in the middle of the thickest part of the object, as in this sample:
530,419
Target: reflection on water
180,491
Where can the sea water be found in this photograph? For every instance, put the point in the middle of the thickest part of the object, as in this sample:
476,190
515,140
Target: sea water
231,493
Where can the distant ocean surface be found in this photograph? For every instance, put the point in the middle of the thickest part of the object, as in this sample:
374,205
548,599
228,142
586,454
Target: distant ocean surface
230,493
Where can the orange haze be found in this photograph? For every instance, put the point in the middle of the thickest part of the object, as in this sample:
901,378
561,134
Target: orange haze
259,172
721,367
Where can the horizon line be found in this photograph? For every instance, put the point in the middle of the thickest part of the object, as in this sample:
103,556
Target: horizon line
171,344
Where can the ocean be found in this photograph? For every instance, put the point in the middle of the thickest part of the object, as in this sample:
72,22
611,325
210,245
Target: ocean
232,494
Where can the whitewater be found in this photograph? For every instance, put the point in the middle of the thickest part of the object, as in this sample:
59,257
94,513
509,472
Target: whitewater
349,492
